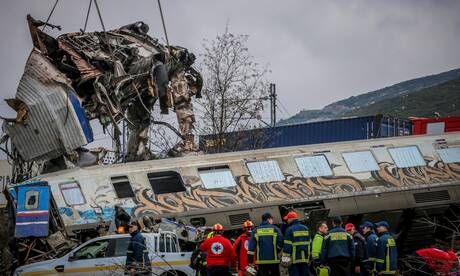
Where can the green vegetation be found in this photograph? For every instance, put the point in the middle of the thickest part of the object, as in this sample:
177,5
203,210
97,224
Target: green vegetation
443,98
377,101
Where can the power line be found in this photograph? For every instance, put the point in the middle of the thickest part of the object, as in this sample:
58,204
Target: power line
285,109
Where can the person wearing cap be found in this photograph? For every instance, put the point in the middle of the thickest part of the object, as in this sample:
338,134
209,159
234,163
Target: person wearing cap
358,267
367,228
219,253
137,256
241,246
338,250
266,243
297,245
386,261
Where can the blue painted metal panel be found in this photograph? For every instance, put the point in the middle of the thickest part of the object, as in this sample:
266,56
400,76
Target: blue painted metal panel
85,126
32,211
359,128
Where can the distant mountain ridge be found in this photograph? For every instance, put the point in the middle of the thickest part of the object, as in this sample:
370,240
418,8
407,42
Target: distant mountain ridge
345,107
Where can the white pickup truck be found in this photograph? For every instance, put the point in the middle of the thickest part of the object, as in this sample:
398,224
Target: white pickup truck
106,255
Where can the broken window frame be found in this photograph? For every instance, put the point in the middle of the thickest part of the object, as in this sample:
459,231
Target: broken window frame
205,174
36,204
124,180
176,174
262,177
79,189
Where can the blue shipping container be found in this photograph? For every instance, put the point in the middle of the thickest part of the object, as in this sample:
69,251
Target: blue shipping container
359,128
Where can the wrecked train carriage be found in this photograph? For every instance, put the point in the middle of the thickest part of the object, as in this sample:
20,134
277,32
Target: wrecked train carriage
110,76
373,178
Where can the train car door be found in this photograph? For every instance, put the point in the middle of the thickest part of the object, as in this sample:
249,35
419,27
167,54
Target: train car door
32,211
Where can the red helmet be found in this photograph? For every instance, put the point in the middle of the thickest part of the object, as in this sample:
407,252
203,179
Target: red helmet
248,224
291,215
217,227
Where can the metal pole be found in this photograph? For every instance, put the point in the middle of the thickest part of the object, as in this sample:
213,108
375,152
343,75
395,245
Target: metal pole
273,104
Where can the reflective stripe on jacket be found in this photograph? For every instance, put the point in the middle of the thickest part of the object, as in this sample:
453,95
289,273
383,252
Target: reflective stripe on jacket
317,244
297,243
266,241
387,254
371,246
337,243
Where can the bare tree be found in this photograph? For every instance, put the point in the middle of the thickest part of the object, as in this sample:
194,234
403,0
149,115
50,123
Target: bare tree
234,89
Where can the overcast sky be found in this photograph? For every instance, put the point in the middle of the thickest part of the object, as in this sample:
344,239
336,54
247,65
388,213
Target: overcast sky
319,51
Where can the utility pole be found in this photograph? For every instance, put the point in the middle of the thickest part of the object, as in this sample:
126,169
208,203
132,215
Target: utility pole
273,104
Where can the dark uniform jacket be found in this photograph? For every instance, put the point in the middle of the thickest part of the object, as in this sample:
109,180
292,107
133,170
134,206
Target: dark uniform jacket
371,248
337,243
266,241
360,249
297,243
387,254
137,254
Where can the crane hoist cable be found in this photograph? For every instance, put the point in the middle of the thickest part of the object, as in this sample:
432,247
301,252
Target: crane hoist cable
87,15
163,21
51,13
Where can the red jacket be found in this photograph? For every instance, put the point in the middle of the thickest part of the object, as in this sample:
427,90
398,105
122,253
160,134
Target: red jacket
240,247
438,260
219,251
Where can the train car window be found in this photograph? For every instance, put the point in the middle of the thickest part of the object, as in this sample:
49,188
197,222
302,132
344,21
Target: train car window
313,166
122,186
72,194
166,182
360,161
265,171
217,177
405,157
31,200
449,155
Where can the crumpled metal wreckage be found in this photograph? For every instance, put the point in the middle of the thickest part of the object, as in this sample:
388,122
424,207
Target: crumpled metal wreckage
110,76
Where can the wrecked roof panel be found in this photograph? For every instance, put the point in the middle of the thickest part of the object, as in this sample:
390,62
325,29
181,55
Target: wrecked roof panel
56,123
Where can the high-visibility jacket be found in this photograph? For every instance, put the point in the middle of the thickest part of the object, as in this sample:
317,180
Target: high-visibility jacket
219,251
240,247
266,241
297,243
316,246
387,254
371,247
338,243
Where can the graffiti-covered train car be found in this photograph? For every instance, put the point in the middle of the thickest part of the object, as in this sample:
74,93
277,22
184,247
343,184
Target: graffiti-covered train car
345,178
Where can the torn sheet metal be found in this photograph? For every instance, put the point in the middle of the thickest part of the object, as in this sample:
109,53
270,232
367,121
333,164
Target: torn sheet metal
56,123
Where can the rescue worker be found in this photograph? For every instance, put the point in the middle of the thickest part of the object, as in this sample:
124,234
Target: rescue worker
358,267
367,229
338,250
137,256
267,242
219,253
296,246
387,254
241,246
317,244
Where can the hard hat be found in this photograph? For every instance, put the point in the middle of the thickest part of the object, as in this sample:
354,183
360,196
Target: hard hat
217,227
291,215
248,224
